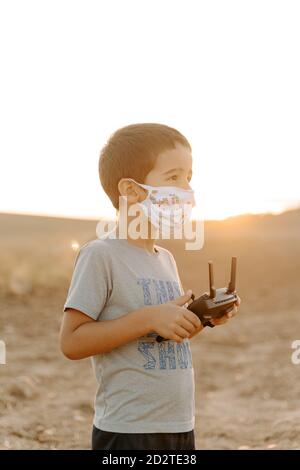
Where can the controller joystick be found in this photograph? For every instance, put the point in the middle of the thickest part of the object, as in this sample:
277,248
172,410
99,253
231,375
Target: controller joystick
217,302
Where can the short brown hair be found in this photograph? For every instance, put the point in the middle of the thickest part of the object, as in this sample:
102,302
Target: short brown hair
131,152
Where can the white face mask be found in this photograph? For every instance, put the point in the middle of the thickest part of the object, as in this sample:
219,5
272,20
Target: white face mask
167,207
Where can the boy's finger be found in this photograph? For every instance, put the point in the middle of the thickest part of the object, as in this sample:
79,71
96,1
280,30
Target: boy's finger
183,299
219,321
232,312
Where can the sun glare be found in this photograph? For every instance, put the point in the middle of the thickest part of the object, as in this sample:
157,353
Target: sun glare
74,245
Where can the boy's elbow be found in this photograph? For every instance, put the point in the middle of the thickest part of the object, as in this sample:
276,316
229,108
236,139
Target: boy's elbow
69,354
68,349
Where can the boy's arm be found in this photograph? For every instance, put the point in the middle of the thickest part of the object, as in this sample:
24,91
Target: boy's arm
81,336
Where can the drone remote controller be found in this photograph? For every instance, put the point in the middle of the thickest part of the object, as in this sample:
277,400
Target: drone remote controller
217,302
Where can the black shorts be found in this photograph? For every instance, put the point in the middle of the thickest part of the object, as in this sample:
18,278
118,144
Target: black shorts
104,440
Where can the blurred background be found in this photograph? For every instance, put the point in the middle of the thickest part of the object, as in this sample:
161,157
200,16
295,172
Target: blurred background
226,75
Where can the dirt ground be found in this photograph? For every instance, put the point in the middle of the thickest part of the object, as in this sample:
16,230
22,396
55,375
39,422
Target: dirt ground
247,389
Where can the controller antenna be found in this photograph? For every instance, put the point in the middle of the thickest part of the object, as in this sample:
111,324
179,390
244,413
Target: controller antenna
212,289
231,285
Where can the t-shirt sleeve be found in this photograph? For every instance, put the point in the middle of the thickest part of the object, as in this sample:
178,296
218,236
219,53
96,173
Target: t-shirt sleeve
90,284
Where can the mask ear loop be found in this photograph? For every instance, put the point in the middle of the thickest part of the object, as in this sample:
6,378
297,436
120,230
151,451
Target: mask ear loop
145,186
149,190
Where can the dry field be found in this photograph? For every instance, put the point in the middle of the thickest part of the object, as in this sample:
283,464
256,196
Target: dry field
247,388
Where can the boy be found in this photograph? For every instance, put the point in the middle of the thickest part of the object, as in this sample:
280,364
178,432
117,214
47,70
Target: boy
126,291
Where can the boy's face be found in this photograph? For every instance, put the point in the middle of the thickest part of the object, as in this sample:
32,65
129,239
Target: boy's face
172,168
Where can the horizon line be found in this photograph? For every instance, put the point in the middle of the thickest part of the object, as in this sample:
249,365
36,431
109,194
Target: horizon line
93,219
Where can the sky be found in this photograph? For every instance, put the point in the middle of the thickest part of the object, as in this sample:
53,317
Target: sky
224,73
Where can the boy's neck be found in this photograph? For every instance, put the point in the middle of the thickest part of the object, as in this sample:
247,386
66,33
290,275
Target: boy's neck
145,243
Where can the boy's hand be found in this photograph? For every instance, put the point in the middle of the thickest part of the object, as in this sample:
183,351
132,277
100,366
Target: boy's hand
228,315
173,321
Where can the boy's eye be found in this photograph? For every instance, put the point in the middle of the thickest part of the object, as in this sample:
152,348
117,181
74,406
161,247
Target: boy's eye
173,178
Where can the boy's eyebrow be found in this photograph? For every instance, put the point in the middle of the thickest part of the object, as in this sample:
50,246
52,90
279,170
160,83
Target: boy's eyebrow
174,169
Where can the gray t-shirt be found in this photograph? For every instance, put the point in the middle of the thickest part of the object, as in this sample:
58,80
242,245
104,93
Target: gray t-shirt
143,386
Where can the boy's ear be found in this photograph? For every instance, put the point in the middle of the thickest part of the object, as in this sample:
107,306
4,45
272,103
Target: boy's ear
132,191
